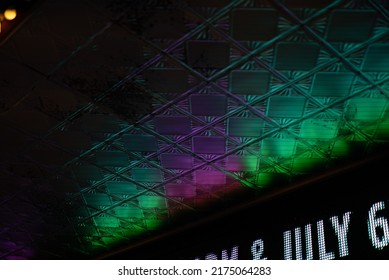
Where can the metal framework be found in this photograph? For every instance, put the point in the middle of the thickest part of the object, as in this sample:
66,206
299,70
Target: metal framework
136,111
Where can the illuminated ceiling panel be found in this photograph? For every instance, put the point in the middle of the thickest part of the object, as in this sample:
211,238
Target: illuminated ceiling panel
138,112
296,56
377,58
286,106
332,84
245,127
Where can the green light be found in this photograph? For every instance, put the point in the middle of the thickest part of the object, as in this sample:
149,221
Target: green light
264,179
383,130
250,163
296,103
107,221
153,223
304,165
319,129
151,202
128,212
278,147
366,109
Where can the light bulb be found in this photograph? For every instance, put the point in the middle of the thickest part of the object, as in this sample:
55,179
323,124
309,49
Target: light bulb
10,14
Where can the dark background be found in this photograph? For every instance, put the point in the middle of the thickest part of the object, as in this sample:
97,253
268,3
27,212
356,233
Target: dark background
354,187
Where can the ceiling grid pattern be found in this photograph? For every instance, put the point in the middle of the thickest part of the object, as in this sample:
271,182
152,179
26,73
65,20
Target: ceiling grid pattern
140,111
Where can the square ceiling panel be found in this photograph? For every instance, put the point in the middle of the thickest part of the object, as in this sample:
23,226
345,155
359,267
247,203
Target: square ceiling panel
139,143
128,212
121,188
377,58
208,54
208,177
180,190
332,84
367,109
286,106
242,163
278,147
152,175
97,199
176,161
254,24
208,105
245,127
350,25
249,82
319,129
209,145
296,56
106,221
111,158
178,125
151,202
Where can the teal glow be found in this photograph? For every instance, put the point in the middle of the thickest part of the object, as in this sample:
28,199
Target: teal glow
245,112
319,129
275,147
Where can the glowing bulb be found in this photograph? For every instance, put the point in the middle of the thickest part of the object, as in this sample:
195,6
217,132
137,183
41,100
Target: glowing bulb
10,14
